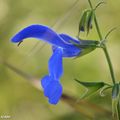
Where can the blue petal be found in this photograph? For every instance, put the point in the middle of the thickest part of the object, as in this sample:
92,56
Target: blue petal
41,32
68,39
69,52
55,64
53,91
45,81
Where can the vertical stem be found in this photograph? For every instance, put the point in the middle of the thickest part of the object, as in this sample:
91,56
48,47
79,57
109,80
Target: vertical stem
118,109
90,4
105,47
97,27
109,63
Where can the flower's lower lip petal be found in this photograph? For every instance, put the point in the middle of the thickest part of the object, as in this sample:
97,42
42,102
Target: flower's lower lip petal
51,88
55,64
57,95
45,81
48,89
53,91
41,32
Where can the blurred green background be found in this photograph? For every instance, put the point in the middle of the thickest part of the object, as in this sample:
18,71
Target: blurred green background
18,98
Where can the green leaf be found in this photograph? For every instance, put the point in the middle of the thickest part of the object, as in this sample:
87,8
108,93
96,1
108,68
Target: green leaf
115,91
92,87
104,89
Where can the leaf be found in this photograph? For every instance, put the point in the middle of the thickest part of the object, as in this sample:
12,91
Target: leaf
115,91
104,89
92,87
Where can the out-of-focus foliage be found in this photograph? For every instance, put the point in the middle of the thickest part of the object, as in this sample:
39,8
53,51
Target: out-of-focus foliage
18,98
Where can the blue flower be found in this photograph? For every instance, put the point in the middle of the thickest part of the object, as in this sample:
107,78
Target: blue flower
62,46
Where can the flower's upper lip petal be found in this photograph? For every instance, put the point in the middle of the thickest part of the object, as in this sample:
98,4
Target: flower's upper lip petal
41,32
68,39
70,52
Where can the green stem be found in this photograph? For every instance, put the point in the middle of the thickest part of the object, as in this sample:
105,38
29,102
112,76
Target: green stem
97,27
109,63
118,109
90,4
105,47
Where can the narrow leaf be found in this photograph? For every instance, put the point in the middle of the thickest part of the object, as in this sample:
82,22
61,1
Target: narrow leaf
92,87
104,89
